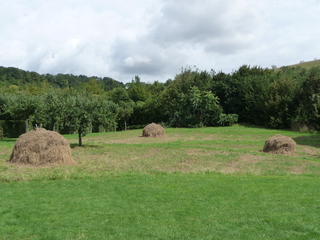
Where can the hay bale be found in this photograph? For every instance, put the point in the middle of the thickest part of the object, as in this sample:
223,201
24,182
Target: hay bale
41,147
153,130
279,144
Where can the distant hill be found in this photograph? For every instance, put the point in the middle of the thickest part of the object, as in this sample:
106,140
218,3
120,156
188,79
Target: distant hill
15,76
307,65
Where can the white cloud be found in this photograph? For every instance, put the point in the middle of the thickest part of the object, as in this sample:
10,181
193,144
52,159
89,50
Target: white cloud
154,39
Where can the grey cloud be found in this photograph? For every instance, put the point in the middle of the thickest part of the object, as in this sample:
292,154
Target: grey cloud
142,57
184,23
211,25
74,56
185,34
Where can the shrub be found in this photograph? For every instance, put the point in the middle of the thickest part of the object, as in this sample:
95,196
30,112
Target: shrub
228,119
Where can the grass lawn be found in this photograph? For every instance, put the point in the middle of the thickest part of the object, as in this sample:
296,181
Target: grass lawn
208,183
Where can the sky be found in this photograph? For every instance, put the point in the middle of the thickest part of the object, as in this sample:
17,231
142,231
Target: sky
155,39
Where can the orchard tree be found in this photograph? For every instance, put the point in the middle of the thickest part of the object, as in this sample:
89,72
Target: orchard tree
121,97
125,111
20,107
49,110
80,111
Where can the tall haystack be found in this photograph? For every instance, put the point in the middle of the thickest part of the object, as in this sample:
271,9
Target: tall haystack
41,147
153,130
279,144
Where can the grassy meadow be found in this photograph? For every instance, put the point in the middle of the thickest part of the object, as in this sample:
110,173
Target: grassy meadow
207,183
308,64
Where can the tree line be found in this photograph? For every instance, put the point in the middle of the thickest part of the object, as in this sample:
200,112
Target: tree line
288,97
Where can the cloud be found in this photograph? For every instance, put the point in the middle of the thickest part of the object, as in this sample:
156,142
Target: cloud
143,58
212,25
186,34
154,39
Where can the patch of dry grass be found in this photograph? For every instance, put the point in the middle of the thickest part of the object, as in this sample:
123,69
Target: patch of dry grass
229,150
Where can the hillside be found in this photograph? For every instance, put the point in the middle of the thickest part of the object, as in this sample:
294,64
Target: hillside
307,65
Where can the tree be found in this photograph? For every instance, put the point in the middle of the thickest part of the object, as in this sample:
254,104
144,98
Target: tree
125,111
20,107
308,108
49,112
80,111
94,86
282,102
121,97
196,109
137,90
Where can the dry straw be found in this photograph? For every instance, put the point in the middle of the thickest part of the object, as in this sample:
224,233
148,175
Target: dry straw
153,130
279,144
41,147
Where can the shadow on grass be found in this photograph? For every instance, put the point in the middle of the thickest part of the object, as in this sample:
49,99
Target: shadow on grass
248,125
76,145
8,140
313,141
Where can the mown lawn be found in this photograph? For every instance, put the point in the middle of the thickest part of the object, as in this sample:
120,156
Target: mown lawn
167,206
210,183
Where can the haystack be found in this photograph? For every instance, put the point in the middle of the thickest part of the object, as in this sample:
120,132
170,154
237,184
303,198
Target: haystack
41,147
279,144
153,130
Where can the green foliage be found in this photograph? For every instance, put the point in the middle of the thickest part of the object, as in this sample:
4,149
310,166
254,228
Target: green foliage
196,109
228,119
121,97
137,90
139,116
50,110
245,93
60,110
307,107
34,83
12,128
109,84
94,86
19,106
189,77
282,102
80,111
277,98
118,95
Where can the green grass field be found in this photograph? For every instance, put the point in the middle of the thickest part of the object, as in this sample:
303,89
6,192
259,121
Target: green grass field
208,183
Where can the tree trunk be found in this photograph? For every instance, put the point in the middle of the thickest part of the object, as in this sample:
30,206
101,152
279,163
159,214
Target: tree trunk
27,125
80,137
125,125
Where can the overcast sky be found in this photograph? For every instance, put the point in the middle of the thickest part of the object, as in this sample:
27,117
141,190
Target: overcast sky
155,38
